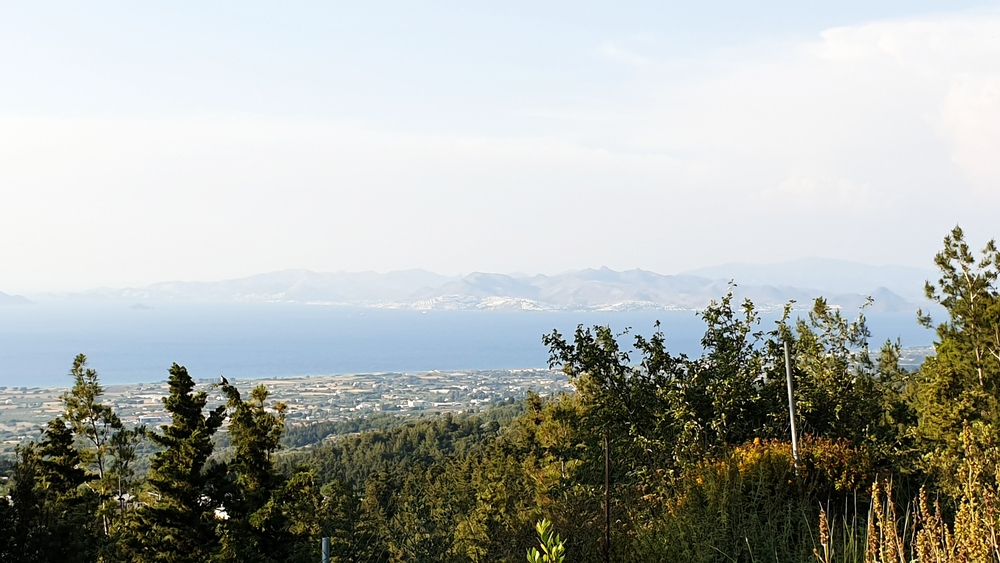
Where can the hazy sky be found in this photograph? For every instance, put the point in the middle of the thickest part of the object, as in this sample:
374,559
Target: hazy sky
143,142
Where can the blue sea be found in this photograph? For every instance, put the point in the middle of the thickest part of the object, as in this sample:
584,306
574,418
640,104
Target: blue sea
132,345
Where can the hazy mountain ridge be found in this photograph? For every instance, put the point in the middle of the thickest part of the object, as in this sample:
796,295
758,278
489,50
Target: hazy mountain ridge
833,276
13,300
589,289
301,286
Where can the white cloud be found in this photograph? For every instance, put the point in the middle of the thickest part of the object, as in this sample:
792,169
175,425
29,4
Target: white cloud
940,47
612,52
970,120
806,192
955,58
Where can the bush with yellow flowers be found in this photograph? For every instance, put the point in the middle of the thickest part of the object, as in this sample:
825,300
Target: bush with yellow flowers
754,502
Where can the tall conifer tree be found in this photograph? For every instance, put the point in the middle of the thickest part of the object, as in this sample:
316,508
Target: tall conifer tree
178,526
69,531
961,382
269,518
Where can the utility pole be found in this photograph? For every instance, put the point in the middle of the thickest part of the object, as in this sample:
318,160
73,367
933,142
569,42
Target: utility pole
791,409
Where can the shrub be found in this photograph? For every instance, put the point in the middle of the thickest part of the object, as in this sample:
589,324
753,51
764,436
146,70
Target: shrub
751,503
922,534
553,550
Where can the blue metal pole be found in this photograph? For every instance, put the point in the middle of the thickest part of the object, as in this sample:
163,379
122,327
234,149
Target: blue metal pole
326,550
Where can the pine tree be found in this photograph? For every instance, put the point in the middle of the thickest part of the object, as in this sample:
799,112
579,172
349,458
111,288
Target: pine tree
961,381
6,512
7,543
109,446
339,514
178,525
62,464
269,518
50,516
68,509
27,532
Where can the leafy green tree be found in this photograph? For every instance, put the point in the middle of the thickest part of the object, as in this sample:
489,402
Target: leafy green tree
178,524
960,381
624,405
727,384
676,408
553,550
840,391
625,402
602,373
734,392
673,411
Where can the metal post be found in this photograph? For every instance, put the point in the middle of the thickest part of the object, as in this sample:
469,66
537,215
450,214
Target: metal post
791,409
326,550
607,498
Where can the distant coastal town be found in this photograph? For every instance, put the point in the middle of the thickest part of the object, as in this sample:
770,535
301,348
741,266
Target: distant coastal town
324,398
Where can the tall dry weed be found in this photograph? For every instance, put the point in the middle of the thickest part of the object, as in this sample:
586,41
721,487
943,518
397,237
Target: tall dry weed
922,534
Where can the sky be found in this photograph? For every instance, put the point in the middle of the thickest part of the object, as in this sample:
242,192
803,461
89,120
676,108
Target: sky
144,142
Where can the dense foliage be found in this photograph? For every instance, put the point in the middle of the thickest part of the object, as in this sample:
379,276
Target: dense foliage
690,457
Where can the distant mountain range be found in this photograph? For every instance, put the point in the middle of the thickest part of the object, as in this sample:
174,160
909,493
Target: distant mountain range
833,276
7,300
301,286
845,284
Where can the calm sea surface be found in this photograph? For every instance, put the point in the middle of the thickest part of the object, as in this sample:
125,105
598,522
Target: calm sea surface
38,342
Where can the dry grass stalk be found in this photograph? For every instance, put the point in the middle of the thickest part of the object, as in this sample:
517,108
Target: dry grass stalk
974,537
825,538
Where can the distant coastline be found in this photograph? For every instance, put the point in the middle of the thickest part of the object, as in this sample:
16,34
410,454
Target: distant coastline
255,340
